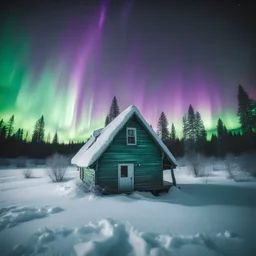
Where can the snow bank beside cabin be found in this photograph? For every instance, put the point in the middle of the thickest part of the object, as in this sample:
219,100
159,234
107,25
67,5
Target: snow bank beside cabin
76,188
112,237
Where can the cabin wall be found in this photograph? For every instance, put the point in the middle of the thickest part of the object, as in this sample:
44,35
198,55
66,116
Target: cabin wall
146,156
87,175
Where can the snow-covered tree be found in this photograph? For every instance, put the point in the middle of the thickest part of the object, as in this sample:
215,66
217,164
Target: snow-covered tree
194,132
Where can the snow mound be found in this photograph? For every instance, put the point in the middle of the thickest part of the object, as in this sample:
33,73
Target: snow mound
174,196
110,237
74,189
12,216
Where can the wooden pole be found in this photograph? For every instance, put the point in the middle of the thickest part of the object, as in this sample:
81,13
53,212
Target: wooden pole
173,177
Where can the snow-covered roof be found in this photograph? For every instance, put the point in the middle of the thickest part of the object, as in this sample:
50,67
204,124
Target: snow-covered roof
102,138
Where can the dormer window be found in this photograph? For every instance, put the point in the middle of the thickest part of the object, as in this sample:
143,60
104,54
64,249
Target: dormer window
131,136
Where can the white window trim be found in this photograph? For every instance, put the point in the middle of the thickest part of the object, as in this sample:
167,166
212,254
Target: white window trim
135,133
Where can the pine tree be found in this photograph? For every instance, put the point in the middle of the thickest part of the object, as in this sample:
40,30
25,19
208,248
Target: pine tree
213,144
173,133
162,127
245,111
48,140
225,131
220,129
189,132
200,133
194,133
26,137
35,133
1,124
114,110
191,122
55,138
185,126
107,121
41,129
38,134
221,138
3,133
10,127
19,134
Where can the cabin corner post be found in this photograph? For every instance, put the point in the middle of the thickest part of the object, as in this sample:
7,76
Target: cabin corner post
173,177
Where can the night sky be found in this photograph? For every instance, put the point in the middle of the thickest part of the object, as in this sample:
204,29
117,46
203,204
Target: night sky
68,59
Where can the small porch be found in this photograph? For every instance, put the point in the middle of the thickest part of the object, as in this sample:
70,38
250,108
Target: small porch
156,188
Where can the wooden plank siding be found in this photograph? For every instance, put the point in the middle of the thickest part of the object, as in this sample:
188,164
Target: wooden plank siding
146,154
88,175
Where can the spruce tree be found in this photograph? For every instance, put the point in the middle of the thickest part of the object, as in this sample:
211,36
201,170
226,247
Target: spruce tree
41,129
48,140
189,132
220,129
1,124
194,133
38,134
19,134
3,133
173,133
26,137
55,138
213,144
245,111
185,126
162,127
114,110
191,123
221,138
107,121
35,133
10,127
200,133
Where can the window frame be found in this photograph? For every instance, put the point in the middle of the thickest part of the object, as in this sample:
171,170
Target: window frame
135,136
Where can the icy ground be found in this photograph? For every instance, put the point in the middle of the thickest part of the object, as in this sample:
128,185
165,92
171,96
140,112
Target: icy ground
208,216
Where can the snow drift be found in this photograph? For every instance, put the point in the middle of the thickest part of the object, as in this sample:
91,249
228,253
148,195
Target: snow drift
111,237
12,216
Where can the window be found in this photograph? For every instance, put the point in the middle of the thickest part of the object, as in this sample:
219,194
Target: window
131,136
124,171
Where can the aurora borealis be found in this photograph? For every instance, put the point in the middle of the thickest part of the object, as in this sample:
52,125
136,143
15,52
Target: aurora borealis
68,59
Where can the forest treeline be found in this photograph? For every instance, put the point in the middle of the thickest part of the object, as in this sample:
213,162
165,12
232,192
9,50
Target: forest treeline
16,143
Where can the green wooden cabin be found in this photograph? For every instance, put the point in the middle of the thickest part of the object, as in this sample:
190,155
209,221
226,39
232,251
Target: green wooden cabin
125,156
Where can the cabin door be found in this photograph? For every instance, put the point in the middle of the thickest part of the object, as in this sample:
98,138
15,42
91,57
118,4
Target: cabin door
125,177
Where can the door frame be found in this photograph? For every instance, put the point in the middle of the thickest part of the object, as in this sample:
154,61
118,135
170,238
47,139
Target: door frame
132,174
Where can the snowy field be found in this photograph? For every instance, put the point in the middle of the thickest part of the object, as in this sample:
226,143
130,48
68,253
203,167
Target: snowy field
211,215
